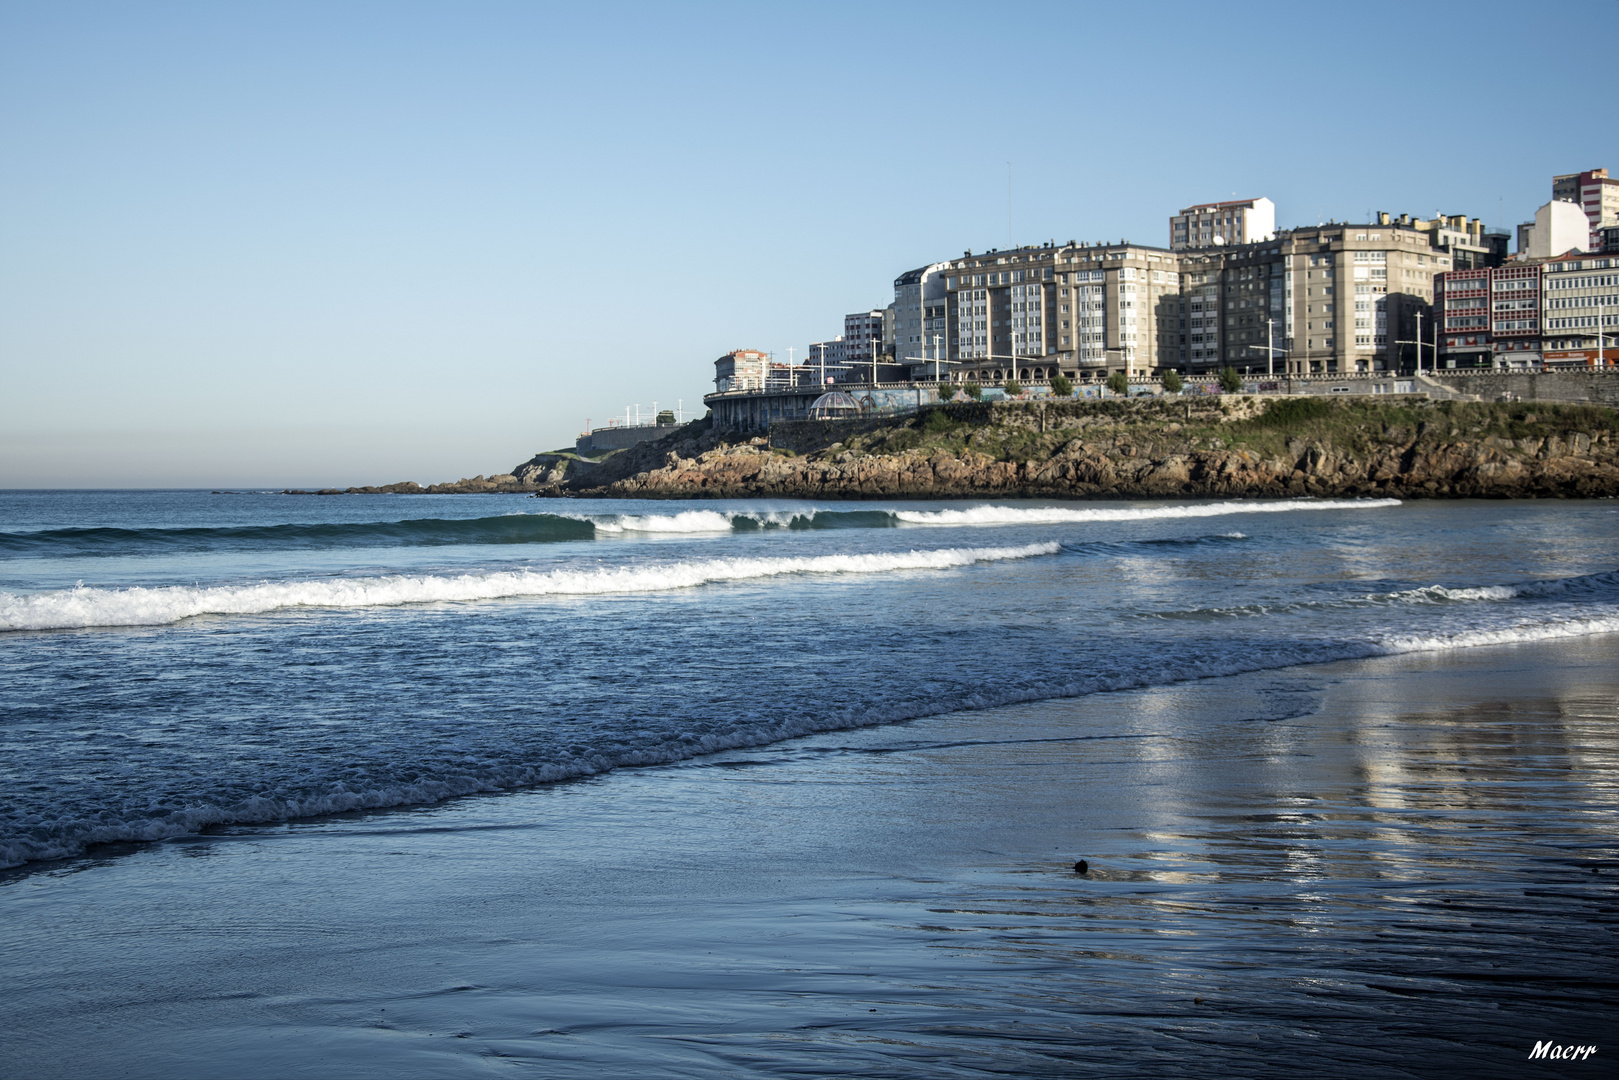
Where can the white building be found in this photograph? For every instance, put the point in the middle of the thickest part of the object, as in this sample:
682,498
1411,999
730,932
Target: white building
1594,192
1240,221
1560,227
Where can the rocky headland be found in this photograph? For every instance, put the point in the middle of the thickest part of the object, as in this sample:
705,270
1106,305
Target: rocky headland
1193,447
1145,448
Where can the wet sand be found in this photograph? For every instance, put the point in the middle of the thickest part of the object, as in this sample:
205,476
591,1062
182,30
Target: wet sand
1400,867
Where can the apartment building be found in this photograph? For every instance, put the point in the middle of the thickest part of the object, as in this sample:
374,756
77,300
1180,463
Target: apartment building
1490,317
828,359
1580,301
1597,196
1031,312
1327,299
1239,221
1333,298
863,336
918,319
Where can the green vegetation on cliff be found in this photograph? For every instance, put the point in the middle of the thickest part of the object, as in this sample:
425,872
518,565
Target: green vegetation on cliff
1190,445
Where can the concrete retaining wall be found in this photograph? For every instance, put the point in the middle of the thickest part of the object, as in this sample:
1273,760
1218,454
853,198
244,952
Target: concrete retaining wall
617,438
1588,387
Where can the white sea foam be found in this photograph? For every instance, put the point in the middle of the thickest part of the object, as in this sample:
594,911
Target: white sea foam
1517,634
87,607
1055,515
687,521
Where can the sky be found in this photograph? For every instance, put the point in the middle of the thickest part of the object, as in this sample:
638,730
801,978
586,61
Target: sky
294,244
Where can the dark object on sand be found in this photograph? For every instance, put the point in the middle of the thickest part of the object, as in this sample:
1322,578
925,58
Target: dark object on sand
1082,867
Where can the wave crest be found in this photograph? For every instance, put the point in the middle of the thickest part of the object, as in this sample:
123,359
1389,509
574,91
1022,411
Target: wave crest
139,606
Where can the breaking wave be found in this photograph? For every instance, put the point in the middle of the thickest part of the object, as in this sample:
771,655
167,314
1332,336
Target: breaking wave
1062,515
1585,586
139,606
546,528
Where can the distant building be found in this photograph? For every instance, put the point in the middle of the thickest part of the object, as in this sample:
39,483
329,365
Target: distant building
862,337
1596,194
1240,221
1559,227
828,357
1610,238
741,369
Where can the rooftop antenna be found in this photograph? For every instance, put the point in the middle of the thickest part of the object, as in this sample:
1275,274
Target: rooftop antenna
1009,206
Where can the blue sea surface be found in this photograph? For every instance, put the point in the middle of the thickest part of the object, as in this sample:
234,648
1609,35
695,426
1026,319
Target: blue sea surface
374,786
171,661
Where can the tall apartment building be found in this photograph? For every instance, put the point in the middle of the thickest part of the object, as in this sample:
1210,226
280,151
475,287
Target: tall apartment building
1327,299
1597,196
919,303
1240,221
1334,298
1031,312
862,336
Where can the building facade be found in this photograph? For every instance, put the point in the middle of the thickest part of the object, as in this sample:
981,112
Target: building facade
862,337
1239,221
741,369
1597,196
1559,227
1580,312
919,301
1490,318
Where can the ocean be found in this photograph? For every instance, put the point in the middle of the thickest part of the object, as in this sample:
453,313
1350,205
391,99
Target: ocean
1277,731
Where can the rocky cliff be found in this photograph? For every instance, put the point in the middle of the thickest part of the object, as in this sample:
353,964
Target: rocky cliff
1228,446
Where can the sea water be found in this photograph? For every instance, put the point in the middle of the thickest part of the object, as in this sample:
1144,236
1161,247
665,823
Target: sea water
174,661
420,785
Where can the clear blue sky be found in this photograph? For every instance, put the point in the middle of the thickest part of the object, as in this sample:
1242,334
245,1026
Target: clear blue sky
318,243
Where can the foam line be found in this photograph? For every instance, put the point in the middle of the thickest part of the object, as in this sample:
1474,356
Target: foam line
139,606
1062,515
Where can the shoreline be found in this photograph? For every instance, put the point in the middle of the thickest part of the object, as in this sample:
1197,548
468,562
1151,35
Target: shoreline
900,900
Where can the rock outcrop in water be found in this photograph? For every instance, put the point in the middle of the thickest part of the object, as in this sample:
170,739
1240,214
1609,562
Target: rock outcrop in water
1163,447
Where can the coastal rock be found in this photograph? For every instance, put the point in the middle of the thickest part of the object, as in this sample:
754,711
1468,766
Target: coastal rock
1246,447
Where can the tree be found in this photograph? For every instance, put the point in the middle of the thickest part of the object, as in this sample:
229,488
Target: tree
1230,381
1012,387
1172,382
1117,383
1062,385
972,390
666,417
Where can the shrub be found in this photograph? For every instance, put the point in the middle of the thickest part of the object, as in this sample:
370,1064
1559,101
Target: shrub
1117,383
972,390
935,421
1230,381
1062,385
1172,382
1012,387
